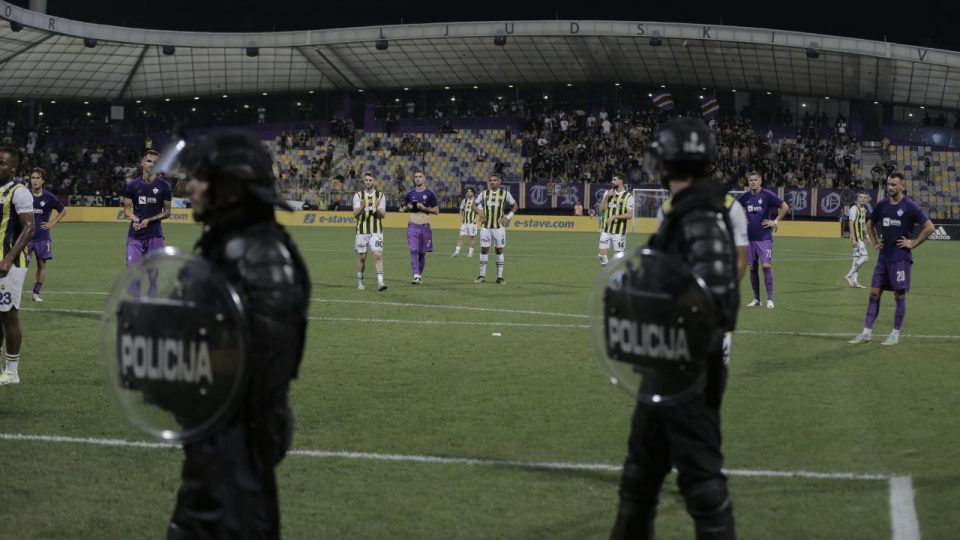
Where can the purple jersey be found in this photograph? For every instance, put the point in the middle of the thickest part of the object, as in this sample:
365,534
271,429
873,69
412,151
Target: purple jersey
426,198
896,221
148,199
43,204
763,205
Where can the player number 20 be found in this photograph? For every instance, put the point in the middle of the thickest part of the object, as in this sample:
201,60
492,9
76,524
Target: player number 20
901,275
5,299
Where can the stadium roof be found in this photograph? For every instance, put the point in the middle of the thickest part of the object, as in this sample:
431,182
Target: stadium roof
48,58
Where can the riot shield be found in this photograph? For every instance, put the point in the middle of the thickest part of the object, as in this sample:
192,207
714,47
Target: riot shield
654,326
175,357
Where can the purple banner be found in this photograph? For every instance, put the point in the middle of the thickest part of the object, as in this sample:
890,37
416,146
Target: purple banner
831,202
537,196
798,199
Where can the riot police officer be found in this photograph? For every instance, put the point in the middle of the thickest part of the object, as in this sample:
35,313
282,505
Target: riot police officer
685,435
229,487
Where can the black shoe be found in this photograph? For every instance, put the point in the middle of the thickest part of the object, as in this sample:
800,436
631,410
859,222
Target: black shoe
500,281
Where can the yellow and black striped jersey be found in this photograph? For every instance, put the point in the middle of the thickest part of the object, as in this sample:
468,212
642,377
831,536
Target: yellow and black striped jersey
858,220
10,221
467,212
493,204
620,203
369,222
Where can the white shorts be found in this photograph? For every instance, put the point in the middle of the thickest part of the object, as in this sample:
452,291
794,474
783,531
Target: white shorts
498,236
619,241
468,229
11,286
860,250
373,241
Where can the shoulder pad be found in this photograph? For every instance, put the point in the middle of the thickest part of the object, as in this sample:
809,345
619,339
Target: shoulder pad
257,250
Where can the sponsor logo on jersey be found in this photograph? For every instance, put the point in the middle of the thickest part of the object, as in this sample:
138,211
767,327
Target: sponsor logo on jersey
888,222
146,200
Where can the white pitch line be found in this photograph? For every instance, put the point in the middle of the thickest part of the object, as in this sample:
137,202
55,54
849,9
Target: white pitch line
903,514
903,511
457,323
512,324
357,319
451,460
64,310
464,308
831,334
398,304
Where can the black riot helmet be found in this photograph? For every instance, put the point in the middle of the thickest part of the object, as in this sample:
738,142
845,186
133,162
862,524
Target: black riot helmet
234,156
685,147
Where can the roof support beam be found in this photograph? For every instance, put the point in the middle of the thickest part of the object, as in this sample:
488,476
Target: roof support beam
133,71
16,53
329,51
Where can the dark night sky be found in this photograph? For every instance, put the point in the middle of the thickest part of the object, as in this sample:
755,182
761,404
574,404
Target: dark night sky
927,23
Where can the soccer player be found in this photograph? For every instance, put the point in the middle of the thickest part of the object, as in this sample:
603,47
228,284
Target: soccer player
617,209
896,216
468,223
420,202
146,202
16,226
489,206
759,204
857,217
44,203
369,208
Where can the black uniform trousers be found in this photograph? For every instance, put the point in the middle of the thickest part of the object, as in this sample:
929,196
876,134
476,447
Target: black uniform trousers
685,436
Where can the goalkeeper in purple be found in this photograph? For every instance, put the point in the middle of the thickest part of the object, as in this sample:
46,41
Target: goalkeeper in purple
896,216
146,202
41,247
420,202
760,203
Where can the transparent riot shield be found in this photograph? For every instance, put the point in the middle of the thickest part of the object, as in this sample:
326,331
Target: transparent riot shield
654,326
174,344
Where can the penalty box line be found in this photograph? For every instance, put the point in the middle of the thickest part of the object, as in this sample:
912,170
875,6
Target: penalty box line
903,514
442,460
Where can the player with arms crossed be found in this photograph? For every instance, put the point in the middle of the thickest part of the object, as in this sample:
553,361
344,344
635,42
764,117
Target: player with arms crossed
44,203
759,204
16,230
420,202
617,209
468,223
896,216
857,217
489,205
369,208
146,202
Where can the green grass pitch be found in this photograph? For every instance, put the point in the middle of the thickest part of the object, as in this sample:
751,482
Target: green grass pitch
414,371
